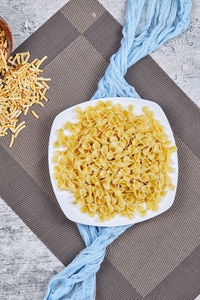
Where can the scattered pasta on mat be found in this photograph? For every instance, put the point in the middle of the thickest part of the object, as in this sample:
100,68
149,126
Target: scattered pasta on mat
20,88
114,162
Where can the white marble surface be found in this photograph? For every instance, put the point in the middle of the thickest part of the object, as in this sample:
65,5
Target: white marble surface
26,265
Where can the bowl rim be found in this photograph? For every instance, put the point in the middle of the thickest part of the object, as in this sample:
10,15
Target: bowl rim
6,28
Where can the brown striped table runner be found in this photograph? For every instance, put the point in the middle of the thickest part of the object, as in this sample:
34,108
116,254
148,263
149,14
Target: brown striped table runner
154,260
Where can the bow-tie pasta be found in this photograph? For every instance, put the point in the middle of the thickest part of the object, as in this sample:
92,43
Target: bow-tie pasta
114,162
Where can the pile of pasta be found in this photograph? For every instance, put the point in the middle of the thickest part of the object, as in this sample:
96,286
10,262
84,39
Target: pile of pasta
21,86
114,162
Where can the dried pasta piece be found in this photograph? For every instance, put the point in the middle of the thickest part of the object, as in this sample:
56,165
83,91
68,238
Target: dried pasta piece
19,130
11,141
35,115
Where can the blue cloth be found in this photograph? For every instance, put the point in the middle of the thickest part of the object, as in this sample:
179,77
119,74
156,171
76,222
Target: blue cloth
149,24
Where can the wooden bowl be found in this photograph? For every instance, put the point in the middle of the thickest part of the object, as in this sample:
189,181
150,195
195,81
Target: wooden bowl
4,26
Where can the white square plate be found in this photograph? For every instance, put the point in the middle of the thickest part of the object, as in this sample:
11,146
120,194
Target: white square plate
65,198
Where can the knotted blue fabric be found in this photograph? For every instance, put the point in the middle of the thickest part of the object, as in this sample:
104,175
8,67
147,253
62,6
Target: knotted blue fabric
149,24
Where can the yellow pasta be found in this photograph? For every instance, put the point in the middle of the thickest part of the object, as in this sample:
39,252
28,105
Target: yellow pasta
11,141
35,115
114,162
19,130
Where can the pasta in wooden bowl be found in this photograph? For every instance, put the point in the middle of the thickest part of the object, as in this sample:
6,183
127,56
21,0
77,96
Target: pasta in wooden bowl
114,161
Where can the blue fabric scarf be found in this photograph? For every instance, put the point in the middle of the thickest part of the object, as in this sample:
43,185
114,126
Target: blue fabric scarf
149,24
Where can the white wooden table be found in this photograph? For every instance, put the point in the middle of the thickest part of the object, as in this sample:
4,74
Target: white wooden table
26,265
